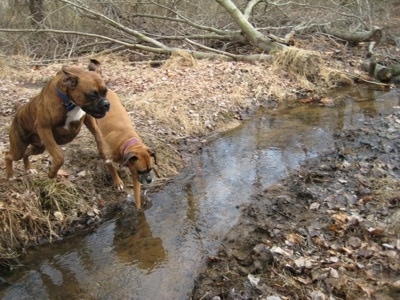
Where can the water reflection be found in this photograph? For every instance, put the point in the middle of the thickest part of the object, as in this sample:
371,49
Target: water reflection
156,254
135,244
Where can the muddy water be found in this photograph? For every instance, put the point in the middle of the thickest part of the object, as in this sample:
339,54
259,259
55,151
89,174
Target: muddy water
157,253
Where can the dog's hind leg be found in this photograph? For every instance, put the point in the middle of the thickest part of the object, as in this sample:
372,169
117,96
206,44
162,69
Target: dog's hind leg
16,152
9,164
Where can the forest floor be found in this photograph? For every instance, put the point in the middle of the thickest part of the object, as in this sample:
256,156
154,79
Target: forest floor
337,230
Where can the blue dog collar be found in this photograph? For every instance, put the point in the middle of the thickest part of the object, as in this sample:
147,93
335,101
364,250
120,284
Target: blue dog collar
69,105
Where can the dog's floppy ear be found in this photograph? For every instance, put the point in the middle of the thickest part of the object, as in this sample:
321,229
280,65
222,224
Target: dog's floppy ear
153,154
69,79
95,66
129,157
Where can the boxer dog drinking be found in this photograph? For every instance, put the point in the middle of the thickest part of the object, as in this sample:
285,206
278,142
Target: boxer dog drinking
125,144
55,116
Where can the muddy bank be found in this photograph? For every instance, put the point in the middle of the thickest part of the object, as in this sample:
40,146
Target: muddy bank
331,229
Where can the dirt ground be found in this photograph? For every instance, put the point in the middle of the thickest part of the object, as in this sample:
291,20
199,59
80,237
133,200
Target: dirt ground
329,230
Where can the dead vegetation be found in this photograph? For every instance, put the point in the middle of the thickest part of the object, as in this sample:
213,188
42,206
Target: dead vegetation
310,69
37,210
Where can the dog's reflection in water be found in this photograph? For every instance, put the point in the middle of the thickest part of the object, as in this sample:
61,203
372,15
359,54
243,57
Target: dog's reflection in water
134,242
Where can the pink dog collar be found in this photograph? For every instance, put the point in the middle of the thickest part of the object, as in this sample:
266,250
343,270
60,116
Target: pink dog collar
129,143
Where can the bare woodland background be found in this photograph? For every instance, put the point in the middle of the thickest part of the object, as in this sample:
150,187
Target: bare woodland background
149,30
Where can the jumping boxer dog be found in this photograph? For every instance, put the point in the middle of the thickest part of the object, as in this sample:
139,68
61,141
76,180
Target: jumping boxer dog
125,144
55,116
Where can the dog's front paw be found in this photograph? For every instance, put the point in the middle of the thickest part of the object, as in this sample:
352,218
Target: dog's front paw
119,185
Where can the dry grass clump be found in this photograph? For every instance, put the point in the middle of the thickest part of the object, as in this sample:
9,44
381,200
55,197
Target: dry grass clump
309,69
13,67
180,58
59,197
302,62
386,190
34,210
394,223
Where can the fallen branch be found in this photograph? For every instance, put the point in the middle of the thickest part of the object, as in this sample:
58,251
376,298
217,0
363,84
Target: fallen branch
374,35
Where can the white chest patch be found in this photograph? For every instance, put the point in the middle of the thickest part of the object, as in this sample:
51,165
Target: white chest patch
74,115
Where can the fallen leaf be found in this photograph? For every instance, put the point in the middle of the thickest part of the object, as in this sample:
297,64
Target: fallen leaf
354,242
365,253
59,216
333,273
369,291
294,238
306,280
318,295
318,274
300,262
367,199
389,253
279,250
334,259
253,280
318,241
350,267
340,219
81,174
376,231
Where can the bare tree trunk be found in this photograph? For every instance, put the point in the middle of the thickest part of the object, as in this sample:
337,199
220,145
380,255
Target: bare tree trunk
37,12
256,38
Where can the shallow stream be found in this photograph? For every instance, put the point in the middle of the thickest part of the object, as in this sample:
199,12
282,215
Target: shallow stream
158,254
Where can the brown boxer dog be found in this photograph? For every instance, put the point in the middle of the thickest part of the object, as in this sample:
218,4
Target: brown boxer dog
55,116
125,144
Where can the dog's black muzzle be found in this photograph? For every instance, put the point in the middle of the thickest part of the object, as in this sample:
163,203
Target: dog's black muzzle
97,110
145,178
